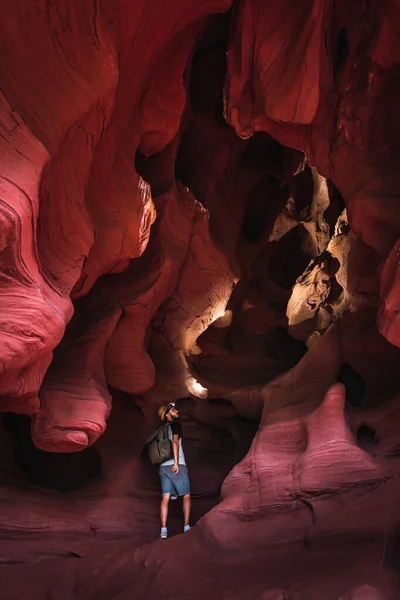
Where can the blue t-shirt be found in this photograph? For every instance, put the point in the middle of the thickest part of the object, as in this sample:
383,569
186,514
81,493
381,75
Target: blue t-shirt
175,428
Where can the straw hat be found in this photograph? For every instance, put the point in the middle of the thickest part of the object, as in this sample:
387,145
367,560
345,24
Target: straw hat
164,409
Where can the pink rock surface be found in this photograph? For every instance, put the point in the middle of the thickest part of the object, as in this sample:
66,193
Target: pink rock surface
364,592
199,202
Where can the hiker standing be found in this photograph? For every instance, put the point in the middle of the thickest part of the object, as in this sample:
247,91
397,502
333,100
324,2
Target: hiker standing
173,471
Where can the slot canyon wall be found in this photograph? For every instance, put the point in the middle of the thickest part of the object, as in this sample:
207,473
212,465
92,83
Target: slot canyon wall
199,202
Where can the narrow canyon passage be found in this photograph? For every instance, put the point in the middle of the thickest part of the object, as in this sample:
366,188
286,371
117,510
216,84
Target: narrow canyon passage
199,204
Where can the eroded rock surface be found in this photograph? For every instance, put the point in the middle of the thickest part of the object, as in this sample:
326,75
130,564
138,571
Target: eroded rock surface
199,201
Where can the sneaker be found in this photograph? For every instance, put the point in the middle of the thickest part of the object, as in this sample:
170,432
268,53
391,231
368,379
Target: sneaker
163,535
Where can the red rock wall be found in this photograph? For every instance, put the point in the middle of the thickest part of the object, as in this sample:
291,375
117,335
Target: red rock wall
74,207
321,79
131,218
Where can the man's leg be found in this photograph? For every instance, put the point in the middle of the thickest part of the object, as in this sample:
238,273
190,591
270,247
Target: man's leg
186,509
164,509
182,485
166,490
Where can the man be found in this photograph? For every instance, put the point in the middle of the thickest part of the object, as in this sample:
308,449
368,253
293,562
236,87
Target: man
173,472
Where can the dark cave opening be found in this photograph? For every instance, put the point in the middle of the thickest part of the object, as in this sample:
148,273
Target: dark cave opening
342,51
62,472
289,260
263,205
366,437
336,206
302,190
354,384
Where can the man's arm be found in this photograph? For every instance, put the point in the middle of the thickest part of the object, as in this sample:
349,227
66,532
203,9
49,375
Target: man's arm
175,449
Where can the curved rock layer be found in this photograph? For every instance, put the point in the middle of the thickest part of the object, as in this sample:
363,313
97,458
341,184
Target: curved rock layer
199,203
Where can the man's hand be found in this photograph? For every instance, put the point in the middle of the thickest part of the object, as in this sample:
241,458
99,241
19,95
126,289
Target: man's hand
175,468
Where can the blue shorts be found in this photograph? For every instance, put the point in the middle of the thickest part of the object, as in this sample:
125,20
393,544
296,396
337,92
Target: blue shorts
176,484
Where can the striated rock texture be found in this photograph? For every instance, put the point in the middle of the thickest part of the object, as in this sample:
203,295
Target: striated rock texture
199,202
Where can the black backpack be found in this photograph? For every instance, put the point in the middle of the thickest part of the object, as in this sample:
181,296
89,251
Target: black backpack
159,445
